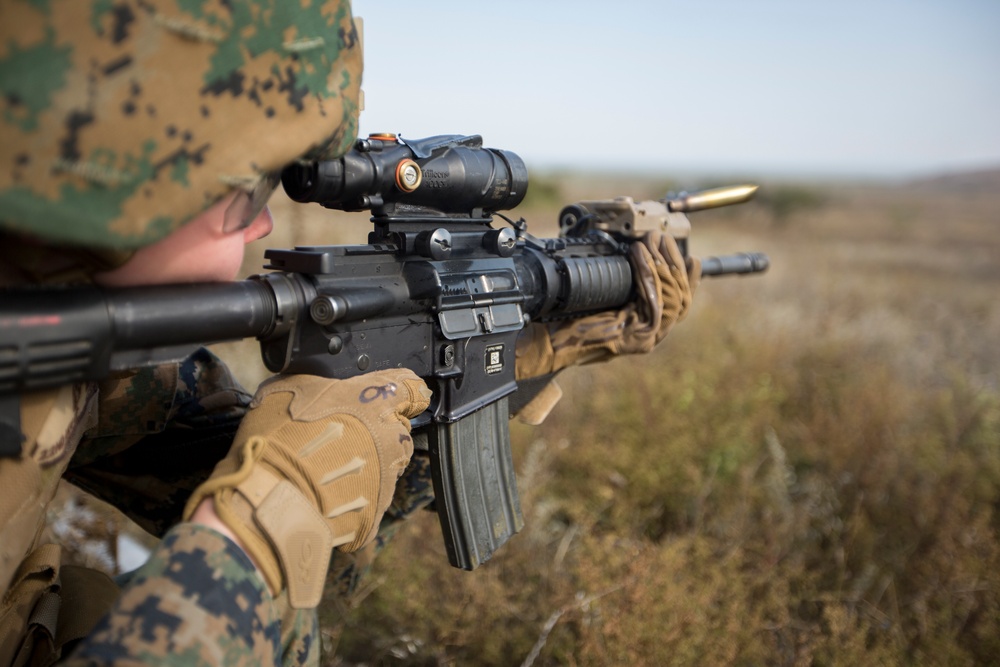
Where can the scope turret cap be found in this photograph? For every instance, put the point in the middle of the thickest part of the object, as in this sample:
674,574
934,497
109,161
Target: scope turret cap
120,121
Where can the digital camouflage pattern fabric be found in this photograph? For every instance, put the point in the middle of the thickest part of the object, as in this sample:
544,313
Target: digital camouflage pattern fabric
142,440
198,600
122,119
160,431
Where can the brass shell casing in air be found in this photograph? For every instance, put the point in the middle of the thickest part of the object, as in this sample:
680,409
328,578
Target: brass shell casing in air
699,201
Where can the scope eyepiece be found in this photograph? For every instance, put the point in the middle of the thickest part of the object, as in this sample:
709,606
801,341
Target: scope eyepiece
302,181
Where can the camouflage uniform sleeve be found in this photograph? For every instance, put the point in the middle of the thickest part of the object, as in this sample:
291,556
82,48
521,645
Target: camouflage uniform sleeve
160,433
197,601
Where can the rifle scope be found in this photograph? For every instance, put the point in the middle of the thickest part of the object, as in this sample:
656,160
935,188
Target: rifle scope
448,175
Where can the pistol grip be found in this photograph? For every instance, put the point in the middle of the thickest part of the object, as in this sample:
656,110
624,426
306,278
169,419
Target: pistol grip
474,485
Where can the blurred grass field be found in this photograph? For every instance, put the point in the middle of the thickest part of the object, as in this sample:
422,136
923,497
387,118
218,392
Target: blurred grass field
806,472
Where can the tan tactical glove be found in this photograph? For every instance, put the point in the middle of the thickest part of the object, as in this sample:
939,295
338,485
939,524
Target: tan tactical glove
665,286
314,466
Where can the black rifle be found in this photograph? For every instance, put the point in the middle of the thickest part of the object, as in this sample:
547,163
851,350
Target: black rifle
436,289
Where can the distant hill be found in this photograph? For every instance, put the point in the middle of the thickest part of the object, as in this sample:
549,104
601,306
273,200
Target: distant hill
984,180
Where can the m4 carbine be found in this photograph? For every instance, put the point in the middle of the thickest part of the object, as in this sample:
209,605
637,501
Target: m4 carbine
437,289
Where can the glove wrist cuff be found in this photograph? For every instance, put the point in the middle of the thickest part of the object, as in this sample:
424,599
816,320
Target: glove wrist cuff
279,528
301,541
282,531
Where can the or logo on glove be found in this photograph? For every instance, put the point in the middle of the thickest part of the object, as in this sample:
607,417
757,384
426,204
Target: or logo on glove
369,394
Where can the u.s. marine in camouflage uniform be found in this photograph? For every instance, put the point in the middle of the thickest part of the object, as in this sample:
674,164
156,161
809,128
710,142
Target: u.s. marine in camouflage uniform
121,122
140,139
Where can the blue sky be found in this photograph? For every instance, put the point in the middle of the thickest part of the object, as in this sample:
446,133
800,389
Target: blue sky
884,88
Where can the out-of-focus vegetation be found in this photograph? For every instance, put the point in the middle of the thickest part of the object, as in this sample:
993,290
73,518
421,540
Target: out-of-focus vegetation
543,192
786,201
807,471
